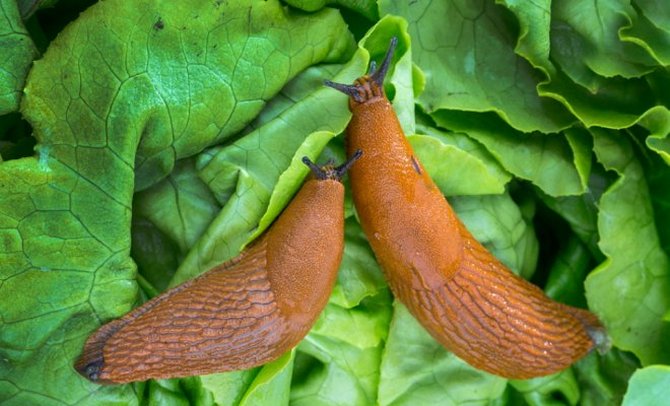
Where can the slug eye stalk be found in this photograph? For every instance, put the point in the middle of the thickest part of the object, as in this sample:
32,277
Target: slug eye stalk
329,171
371,85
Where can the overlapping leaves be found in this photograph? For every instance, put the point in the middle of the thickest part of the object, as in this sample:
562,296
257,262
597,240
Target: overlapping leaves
546,124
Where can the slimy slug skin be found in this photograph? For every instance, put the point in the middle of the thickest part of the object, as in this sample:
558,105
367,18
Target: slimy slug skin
466,298
241,314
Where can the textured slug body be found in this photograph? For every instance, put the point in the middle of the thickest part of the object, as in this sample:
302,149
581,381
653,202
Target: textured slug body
243,313
467,299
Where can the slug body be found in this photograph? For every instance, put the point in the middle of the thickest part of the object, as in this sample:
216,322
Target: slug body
466,299
243,313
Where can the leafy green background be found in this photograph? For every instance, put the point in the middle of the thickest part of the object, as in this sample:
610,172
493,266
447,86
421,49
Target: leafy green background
142,142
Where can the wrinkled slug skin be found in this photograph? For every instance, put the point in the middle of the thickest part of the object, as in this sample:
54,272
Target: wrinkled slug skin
468,301
241,314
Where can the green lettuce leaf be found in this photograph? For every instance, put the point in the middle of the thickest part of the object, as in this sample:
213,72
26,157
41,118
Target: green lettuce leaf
550,161
340,359
534,39
567,273
635,304
498,223
470,64
191,78
648,385
438,149
368,8
418,370
587,54
18,52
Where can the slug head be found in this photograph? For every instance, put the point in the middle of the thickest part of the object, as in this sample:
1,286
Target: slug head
368,87
329,171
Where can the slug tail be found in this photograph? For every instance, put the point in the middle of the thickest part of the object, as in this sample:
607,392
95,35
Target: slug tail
593,327
91,361
536,336
499,322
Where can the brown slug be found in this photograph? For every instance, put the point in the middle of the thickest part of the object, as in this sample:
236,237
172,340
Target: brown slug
241,314
465,297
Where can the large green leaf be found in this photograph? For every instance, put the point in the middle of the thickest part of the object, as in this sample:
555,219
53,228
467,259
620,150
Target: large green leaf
656,12
651,38
586,42
470,64
18,52
458,165
552,162
629,291
534,31
189,75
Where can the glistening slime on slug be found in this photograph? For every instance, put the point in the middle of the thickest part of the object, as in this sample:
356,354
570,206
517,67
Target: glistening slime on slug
465,297
241,314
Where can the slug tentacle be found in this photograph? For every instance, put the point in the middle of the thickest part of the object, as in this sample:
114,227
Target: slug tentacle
329,171
371,86
498,313
467,299
350,90
341,170
378,76
241,314
181,331
317,172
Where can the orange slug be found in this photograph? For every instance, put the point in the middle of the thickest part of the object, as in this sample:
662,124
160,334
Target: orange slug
465,297
241,314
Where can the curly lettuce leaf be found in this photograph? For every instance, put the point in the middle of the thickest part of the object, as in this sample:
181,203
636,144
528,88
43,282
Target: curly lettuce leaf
534,40
544,390
588,42
635,302
470,64
339,360
368,8
190,76
551,161
438,149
